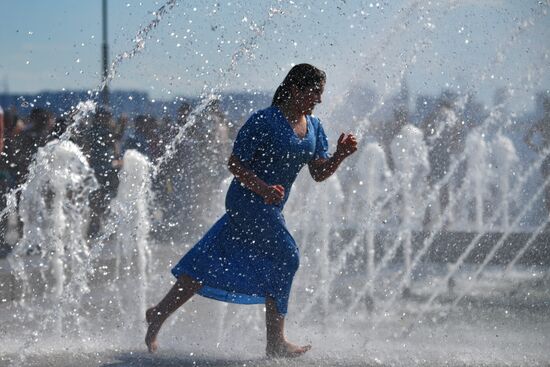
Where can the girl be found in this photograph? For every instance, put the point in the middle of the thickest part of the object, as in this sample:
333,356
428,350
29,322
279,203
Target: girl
249,256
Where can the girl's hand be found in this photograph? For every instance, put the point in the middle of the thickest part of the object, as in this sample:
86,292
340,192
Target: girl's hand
347,145
274,194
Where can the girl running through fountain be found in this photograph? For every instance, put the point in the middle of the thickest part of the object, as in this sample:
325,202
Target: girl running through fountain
249,256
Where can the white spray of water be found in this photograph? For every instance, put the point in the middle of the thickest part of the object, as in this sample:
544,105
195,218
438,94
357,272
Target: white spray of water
506,164
377,177
131,216
317,224
410,155
211,95
139,43
374,178
54,208
476,179
325,235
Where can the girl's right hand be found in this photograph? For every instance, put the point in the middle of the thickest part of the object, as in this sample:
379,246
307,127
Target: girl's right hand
347,145
274,194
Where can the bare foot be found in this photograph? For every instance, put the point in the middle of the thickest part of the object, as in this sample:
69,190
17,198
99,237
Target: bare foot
154,323
286,350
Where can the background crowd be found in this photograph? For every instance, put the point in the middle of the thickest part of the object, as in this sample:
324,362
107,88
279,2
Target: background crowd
193,168
189,184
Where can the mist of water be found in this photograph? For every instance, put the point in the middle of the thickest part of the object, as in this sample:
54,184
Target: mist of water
345,274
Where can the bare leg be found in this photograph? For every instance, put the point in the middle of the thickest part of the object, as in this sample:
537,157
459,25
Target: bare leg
180,293
277,346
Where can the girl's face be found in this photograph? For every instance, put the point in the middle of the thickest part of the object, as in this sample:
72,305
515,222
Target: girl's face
307,99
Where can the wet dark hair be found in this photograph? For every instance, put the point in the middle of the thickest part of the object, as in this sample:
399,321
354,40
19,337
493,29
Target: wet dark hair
302,76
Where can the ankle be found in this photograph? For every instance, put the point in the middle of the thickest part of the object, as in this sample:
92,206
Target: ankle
276,340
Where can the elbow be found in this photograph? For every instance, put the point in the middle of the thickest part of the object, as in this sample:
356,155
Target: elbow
233,165
231,168
318,177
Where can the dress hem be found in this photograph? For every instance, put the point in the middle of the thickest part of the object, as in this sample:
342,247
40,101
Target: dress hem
221,294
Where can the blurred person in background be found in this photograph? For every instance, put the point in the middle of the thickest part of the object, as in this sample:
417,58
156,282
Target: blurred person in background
98,142
142,137
21,142
1,129
4,185
35,134
538,139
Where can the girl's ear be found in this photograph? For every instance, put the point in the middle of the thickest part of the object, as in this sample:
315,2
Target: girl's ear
294,91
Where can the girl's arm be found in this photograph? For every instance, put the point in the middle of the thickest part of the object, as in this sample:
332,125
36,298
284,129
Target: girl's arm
321,169
272,194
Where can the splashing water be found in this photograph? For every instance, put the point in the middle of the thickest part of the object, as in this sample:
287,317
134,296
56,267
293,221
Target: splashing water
356,268
139,44
54,207
130,213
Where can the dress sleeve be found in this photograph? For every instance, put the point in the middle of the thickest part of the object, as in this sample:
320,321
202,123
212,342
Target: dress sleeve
250,137
321,143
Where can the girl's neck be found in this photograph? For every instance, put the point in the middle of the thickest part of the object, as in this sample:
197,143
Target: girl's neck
291,112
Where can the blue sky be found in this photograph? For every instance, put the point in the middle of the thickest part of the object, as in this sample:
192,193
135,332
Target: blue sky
468,45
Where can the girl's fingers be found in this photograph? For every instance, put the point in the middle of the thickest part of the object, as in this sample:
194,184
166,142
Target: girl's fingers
341,138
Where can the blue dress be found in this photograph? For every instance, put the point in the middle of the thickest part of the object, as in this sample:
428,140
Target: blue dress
249,253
